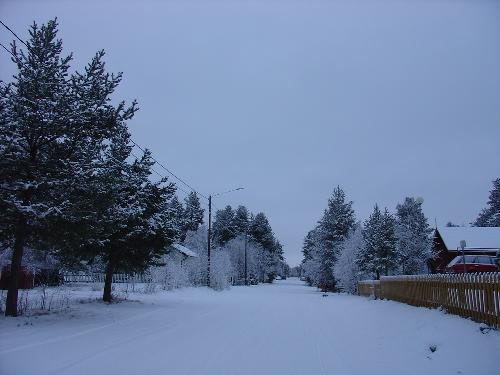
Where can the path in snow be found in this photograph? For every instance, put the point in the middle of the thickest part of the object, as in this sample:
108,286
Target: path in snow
284,328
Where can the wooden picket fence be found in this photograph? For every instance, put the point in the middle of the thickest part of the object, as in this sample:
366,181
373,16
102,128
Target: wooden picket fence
94,277
475,296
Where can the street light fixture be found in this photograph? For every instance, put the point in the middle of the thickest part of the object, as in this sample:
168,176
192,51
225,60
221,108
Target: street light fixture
209,240
463,244
225,192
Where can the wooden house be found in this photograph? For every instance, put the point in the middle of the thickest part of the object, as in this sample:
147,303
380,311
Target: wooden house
446,244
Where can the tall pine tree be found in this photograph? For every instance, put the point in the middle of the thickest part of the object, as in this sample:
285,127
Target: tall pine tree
378,255
179,217
333,228
413,233
260,231
241,220
222,227
52,126
490,216
193,213
128,221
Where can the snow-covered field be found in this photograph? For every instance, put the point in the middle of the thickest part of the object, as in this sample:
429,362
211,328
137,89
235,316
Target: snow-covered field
284,328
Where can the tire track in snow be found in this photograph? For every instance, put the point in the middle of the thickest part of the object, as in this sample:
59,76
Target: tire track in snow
226,349
81,333
158,331
313,334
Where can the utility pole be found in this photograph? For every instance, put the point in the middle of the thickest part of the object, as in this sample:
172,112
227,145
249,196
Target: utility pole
246,269
209,237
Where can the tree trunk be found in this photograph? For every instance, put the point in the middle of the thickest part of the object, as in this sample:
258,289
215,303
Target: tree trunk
110,269
15,268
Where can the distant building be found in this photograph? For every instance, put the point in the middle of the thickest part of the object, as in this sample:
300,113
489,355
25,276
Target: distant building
446,244
37,268
179,253
175,273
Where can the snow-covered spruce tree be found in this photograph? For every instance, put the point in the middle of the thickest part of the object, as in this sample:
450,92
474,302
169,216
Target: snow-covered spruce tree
255,262
50,131
221,269
236,250
260,231
176,207
308,244
222,227
311,261
193,213
277,259
378,255
490,216
197,267
241,220
333,228
128,221
346,270
413,234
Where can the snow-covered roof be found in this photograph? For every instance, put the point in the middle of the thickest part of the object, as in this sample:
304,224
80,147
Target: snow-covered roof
184,250
475,237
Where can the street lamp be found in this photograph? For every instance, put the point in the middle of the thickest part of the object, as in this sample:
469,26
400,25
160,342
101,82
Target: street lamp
209,244
462,246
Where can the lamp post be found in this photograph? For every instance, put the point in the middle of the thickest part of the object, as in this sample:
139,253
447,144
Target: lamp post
209,239
462,246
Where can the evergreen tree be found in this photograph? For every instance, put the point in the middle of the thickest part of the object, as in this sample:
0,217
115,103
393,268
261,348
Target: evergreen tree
346,270
309,243
260,231
277,261
490,216
193,213
241,219
413,233
179,217
311,263
52,125
222,227
128,221
378,255
333,228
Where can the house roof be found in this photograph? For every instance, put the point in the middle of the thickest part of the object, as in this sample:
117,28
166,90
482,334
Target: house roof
475,237
184,250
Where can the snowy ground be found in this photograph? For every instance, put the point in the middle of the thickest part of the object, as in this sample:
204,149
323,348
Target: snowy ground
284,328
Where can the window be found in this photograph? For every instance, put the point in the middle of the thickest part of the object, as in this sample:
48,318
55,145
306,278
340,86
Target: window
484,259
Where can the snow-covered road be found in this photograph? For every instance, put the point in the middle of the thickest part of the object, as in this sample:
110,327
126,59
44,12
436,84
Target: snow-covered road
284,328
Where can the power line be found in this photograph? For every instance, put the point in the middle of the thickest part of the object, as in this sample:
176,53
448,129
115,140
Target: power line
5,48
15,35
169,171
154,159
133,142
160,175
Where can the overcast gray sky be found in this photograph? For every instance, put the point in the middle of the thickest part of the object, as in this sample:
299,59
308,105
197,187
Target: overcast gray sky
290,98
